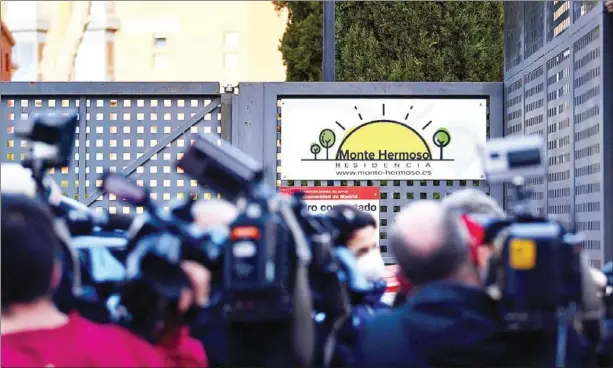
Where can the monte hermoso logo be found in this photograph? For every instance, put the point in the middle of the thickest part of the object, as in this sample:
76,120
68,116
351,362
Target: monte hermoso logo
379,139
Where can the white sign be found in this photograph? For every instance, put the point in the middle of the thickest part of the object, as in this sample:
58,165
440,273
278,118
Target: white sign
321,199
382,139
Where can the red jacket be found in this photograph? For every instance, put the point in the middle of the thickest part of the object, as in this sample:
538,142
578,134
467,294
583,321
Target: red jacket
82,343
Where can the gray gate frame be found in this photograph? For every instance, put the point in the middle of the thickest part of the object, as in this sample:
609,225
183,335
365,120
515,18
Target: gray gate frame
249,118
255,111
256,115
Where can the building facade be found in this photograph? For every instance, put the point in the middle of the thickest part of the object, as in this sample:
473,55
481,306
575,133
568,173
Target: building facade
6,63
558,84
154,41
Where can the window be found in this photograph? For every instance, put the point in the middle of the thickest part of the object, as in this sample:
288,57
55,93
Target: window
90,63
160,58
231,61
160,61
24,56
160,43
231,41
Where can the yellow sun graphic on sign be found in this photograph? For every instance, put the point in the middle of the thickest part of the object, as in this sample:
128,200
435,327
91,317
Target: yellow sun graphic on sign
383,136
379,140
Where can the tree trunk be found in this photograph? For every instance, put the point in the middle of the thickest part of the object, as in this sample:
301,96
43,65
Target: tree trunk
59,58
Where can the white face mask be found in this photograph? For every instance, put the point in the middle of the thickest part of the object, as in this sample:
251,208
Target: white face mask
371,265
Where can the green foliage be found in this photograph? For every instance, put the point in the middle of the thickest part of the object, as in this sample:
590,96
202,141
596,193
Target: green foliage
398,41
301,42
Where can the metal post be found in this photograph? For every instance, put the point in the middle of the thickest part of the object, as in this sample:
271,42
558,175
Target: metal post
329,43
226,113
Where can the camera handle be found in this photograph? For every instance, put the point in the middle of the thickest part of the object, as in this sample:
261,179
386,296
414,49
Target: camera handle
521,208
38,169
565,317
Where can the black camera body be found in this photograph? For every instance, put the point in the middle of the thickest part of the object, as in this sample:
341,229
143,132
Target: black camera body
266,271
51,136
257,276
539,273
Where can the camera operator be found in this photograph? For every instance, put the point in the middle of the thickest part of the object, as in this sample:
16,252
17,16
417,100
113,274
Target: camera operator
449,320
481,208
36,333
211,327
473,202
357,230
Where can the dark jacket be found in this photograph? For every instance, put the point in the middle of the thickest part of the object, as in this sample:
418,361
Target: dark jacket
446,324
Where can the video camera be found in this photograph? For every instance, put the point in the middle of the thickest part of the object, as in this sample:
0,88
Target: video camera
275,266
537,272
85,236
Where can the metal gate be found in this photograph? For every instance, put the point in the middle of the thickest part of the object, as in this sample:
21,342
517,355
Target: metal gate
257,116
138,129
141,129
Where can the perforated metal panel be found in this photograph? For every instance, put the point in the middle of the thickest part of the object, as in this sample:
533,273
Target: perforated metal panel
559,18
534,111
140,135
16,110
513,16
533,27
588,139
581,8
560,176
563,101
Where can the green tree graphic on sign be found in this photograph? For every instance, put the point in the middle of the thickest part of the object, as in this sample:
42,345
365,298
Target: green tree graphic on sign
315,149
441,139
327,138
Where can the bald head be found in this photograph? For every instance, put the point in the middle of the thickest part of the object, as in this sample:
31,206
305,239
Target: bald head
429,242
213,212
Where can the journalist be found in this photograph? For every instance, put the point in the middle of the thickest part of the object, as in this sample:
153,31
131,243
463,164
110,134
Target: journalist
449,320
36,333
476,203
357,230
479,208
210,326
